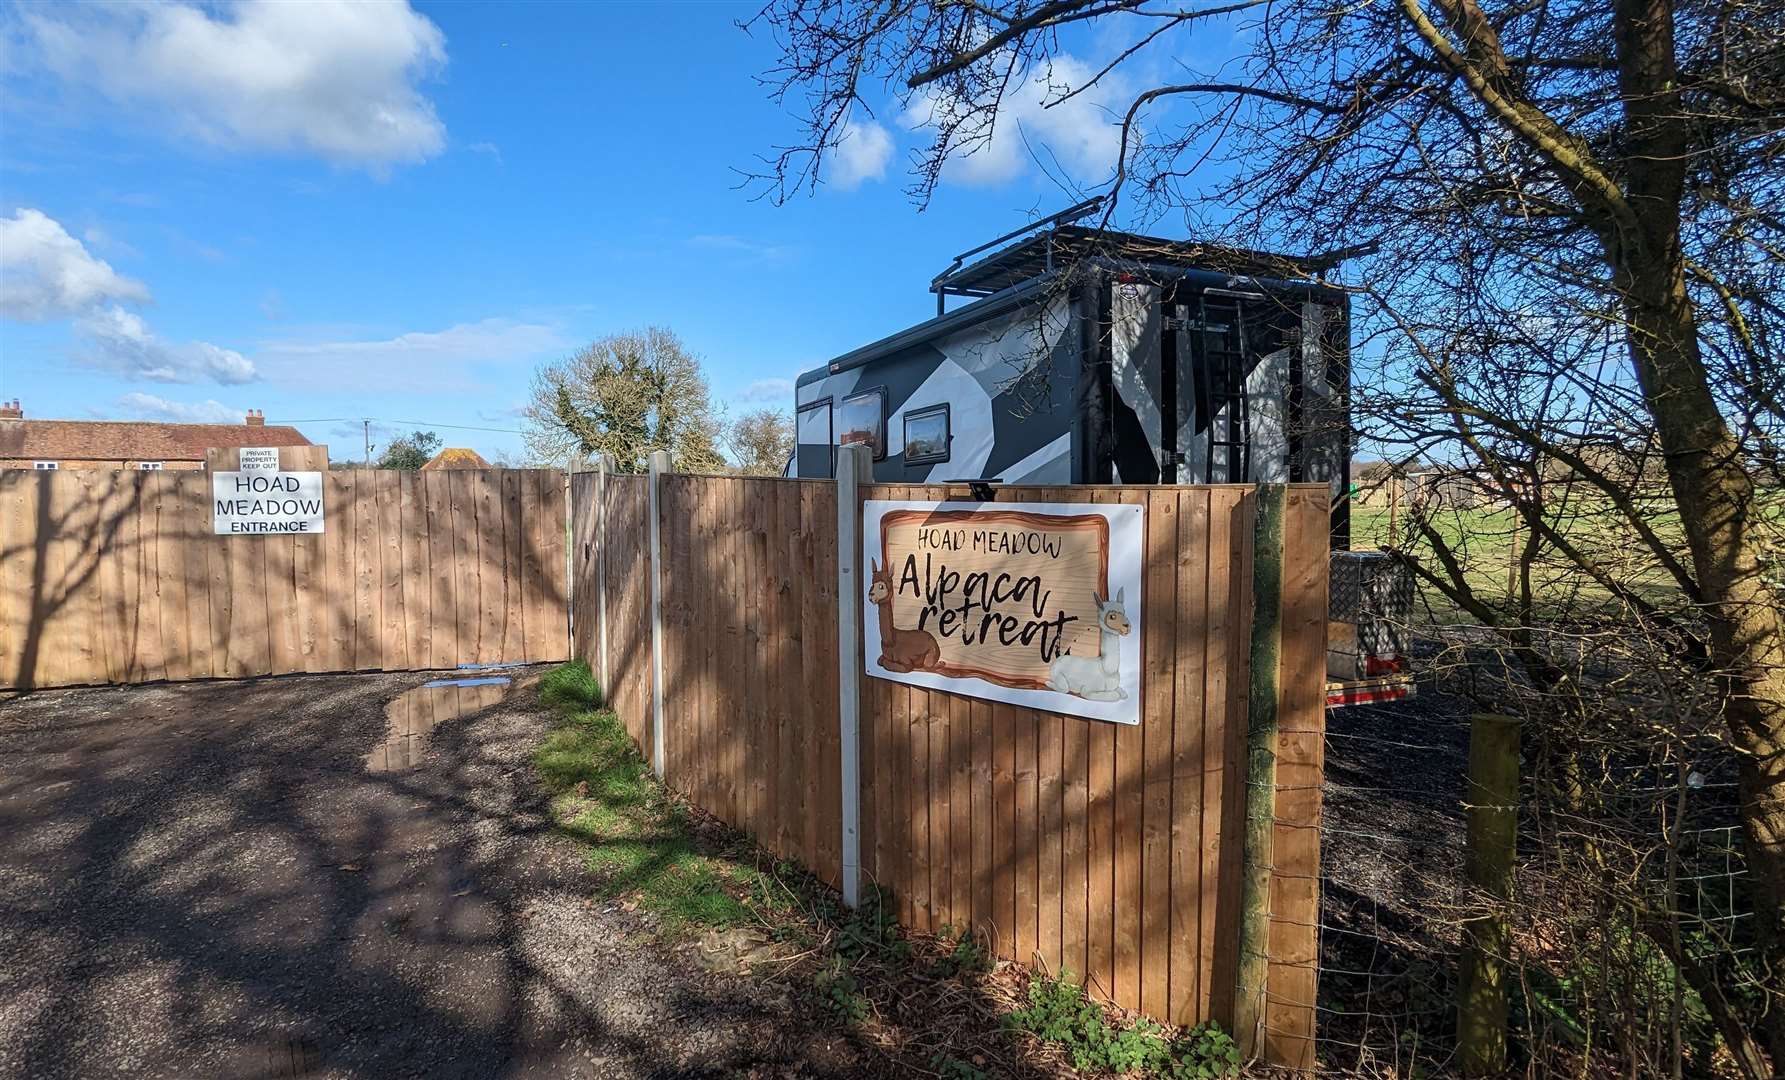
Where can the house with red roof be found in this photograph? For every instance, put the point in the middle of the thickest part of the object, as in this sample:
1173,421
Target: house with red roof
127,444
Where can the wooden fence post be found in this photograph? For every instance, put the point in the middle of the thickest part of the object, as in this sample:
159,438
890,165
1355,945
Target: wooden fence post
659,466
854,468
1491,804
1261,770
603,466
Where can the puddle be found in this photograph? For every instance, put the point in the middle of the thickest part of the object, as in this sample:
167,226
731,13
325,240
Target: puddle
483,680
414,713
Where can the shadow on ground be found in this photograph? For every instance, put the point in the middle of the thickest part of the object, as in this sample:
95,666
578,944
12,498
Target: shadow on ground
291,876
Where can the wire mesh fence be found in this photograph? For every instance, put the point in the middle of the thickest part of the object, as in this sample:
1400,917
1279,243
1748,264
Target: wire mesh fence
1631,949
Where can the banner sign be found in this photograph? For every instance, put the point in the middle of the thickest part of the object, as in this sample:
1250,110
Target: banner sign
1033,604
266,503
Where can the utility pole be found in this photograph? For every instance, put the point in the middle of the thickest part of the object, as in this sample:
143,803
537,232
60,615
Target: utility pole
368,425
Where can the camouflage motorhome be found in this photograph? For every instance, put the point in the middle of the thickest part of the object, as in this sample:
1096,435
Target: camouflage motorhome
1091,357
1087,356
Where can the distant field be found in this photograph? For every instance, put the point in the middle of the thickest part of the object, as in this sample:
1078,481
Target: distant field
1487,542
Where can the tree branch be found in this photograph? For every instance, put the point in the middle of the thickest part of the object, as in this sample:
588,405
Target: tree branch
1058,13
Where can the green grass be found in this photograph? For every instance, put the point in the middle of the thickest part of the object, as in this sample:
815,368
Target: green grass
636,838
858,964
570,685
1489,541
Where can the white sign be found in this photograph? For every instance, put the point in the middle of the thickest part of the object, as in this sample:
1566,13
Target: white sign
266,503
260,459
1033,604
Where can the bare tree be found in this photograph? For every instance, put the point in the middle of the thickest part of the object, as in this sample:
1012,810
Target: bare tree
625,395
760,441
1562,228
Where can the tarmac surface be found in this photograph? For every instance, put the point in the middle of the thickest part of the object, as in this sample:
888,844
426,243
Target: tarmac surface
336,876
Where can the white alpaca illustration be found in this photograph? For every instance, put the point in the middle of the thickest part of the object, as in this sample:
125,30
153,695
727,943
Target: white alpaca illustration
1095,678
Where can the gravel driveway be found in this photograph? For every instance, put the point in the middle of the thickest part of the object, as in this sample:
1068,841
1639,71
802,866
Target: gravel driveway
248,879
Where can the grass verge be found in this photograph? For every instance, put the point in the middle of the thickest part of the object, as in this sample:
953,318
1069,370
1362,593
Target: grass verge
939,1005
638,839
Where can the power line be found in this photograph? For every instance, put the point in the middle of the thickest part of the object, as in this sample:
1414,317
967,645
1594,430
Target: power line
387,420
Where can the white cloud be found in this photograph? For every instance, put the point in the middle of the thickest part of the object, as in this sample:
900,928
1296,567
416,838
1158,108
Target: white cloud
419,361
329,77
1082,134
100,240
739,245
120,342
491,339
150,407
47,274
861,154
767,391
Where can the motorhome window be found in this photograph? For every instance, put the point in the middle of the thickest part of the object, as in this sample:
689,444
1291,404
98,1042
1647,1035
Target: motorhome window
812,450
863,420
926,435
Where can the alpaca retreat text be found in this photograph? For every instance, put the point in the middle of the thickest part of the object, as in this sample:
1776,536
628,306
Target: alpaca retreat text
965,606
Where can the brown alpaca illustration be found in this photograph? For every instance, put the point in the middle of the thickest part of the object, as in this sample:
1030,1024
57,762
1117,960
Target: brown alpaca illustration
900,650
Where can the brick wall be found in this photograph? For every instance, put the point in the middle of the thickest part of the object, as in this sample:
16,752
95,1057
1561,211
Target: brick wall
31,463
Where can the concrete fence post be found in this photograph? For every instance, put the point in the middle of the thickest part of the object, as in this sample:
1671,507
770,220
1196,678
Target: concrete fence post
854,468
659,466
603,466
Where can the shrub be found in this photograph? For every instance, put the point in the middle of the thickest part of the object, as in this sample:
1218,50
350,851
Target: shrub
838,991
1059,1012
871,929
964,957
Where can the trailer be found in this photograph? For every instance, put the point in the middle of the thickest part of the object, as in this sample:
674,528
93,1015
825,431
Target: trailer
1086,356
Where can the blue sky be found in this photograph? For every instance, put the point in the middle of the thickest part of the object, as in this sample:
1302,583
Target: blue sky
399,212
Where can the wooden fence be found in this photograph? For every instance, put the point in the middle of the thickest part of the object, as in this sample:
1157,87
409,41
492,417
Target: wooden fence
749,644
116,577
623,565
1110,851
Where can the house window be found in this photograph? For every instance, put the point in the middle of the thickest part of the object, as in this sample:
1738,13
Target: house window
149,466
863,420
812,440
49,466
926,435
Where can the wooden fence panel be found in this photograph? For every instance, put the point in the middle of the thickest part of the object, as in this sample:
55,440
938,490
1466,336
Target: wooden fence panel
1107,851
624,567
1088,847
749,649
585,572
116,577
418,606
1301,737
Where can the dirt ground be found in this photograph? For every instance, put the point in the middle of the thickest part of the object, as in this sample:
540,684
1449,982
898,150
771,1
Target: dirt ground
262,879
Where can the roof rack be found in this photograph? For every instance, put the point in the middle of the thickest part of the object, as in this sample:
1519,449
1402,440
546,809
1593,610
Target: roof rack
944,284
1051,242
